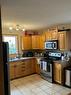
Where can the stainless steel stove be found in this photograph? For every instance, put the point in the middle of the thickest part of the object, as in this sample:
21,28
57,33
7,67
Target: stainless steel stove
46,65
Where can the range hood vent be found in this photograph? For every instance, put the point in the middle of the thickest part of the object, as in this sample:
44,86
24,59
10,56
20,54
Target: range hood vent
61,30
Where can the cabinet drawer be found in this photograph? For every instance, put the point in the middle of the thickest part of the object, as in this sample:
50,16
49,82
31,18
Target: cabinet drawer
22,63
23,70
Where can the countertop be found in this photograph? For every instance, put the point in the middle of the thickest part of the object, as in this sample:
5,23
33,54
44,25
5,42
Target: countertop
23,58
63,62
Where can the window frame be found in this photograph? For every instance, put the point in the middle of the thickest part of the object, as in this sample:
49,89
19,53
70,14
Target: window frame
17,43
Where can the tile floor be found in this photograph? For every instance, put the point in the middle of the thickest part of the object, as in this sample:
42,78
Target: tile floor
35,85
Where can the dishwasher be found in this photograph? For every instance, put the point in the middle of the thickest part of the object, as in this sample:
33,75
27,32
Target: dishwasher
68,77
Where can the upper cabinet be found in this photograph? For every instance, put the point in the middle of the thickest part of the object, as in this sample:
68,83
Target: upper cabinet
64,40
68,40
26,42
61,39
42,41
51,35
38,41
35,41
54,35
48,35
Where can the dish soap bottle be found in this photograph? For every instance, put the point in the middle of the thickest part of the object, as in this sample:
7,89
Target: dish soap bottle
62,56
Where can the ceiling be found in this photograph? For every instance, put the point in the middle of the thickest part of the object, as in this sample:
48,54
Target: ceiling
35,14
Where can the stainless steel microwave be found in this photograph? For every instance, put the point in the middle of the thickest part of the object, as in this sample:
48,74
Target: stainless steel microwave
52,44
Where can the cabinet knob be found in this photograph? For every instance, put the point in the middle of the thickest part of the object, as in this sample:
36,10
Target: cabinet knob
15,66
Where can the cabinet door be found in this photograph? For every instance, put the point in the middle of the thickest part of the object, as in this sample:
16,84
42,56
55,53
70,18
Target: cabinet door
42,41
57,73
54,35
48,35
28,66
18,70
61,38
35,42
12,71
33,66
26,42
37,67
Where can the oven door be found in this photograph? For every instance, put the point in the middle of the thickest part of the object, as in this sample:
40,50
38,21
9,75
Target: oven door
46,70
46,66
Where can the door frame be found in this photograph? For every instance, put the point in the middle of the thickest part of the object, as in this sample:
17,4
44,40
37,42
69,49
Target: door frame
1,60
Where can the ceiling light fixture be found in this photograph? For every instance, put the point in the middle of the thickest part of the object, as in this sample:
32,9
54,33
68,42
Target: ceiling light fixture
10,28
17,28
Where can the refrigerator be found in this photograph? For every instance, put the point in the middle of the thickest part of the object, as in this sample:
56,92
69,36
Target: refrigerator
6,68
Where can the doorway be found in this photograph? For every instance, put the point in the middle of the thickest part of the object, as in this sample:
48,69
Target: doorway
4,83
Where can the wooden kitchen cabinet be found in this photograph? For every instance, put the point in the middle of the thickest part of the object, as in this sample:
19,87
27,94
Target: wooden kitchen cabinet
48,35
57,73
22,68
35,41
51,35
26,42
54,35
42,41
62,39
12,72
37,66
15,69
33,66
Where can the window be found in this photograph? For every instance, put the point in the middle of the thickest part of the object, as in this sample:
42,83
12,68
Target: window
12,40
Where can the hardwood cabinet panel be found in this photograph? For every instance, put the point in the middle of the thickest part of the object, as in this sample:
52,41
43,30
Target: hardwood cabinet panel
42,41
36,42
51,35
48,35
22,68
54,35
37,67
62,38
17,70
57,73
68,41
26,42
33,66
12,72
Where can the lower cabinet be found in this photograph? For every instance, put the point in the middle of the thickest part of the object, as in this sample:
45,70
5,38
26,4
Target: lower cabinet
37,68
22,68
12,71
57,73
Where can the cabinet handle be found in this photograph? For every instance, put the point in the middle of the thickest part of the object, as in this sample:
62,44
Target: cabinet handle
22,70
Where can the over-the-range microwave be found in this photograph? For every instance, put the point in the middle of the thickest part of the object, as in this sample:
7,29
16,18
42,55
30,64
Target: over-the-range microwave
51,44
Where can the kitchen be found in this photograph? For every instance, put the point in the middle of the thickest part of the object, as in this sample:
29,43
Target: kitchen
38,49
39,59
